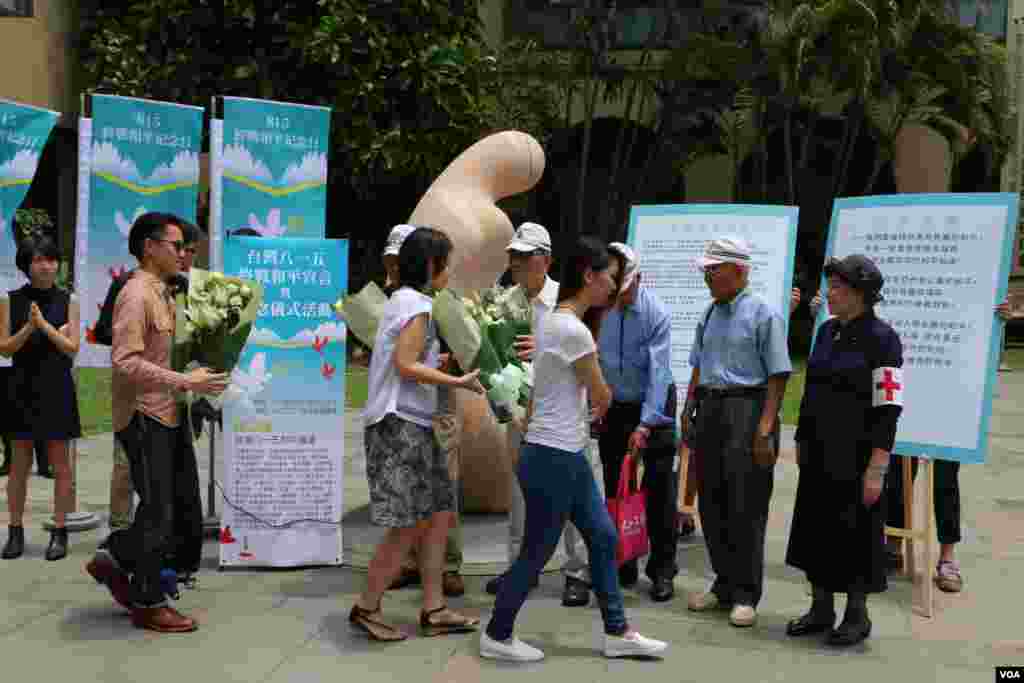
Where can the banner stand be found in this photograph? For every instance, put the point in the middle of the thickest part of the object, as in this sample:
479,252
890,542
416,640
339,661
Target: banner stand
211,523
926,535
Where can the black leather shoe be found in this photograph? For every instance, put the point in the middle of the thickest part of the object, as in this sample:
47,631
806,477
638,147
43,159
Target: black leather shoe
853,630
811,623
494,584
663,590
629,574
58,547
576,593
15,545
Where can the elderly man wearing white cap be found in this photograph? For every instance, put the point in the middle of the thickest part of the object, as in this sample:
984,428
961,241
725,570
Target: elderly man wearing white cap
529,257
740,366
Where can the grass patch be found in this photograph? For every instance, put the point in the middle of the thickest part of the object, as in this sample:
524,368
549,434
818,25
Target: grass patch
94,396
794,392
356,383
94,400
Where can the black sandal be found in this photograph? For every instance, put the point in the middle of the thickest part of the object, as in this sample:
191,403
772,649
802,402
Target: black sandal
455,623
377,630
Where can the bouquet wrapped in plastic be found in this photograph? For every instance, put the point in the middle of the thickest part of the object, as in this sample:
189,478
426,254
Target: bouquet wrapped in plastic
362,312
481,332
214,320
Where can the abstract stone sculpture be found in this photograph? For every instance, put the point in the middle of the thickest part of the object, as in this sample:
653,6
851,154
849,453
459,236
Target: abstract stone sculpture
463,203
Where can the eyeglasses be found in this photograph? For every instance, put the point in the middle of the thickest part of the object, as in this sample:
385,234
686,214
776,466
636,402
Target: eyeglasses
178,245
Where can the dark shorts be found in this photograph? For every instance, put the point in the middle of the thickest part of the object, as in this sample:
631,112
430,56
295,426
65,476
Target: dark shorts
407,473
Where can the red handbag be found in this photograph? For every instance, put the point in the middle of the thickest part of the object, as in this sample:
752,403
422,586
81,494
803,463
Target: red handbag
628,510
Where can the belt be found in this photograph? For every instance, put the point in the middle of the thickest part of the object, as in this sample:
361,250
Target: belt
730,392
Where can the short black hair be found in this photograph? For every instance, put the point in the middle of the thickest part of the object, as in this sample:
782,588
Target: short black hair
191,233
152,226
30,247
245,232
421,249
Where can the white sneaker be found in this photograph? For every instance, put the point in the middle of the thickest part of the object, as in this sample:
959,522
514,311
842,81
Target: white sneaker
511,650
743,615
633,645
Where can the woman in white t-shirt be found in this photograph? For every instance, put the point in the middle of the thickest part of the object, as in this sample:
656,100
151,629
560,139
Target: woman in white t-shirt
557,481
410,490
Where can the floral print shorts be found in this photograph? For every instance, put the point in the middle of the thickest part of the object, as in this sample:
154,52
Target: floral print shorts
407,472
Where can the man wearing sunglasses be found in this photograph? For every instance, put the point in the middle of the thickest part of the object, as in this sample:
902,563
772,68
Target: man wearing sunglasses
149,425
121,491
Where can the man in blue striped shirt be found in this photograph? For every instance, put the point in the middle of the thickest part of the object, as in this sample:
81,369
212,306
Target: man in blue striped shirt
740,366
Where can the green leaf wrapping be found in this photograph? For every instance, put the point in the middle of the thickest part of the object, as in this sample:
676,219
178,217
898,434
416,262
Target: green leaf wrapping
362,312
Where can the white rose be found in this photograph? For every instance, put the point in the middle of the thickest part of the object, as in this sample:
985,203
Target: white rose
221,297
232,288
235,301
210,315
216,277
245,291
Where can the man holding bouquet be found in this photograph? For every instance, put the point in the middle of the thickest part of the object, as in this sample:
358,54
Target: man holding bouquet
148,423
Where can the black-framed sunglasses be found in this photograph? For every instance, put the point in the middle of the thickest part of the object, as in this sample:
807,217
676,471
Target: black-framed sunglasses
179,245
513,253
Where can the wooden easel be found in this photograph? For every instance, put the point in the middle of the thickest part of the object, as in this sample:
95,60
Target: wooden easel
925,535
683,453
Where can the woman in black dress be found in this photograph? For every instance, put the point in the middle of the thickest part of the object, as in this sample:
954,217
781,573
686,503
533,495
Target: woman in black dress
39,330
851,404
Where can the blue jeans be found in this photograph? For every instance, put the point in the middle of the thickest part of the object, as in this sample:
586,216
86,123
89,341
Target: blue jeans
559,486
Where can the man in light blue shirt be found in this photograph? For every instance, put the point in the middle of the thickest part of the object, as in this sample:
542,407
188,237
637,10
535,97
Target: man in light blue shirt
635,352
740,366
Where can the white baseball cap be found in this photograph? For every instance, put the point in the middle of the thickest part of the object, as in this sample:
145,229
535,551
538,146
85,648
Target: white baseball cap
530,237
396,237
632,262
725,250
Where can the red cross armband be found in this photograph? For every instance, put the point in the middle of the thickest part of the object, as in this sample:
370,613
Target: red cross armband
887,384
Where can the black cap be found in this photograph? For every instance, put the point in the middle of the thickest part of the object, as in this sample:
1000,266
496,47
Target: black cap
859,272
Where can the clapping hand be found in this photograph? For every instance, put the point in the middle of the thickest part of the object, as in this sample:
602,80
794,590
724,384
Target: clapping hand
36,316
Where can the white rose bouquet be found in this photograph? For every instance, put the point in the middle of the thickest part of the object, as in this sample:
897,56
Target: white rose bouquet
362,312
214,320
481,331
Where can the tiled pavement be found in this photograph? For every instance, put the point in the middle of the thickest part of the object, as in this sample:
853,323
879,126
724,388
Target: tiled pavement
277,625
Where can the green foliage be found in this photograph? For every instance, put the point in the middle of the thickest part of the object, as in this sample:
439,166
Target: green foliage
32,223
412,84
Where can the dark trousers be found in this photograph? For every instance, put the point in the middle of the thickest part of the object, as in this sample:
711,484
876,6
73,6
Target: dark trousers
660,482
734,494
946,496
167,528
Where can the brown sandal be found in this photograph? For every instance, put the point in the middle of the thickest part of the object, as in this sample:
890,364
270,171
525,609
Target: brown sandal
450,621
376,630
